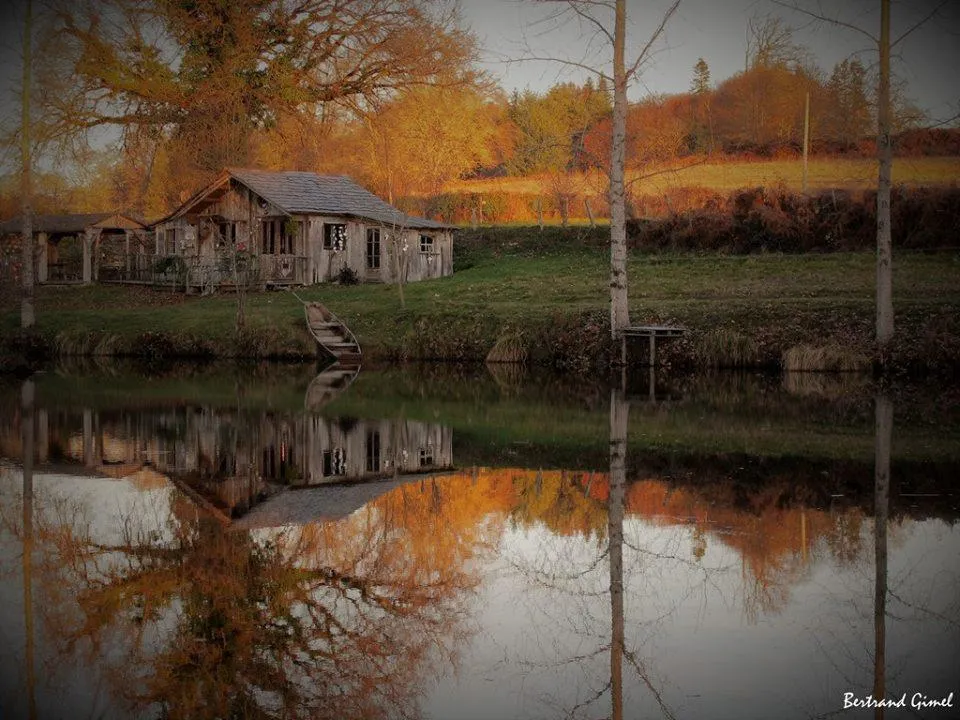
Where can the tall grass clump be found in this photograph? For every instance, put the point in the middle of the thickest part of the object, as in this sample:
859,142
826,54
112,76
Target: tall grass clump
726,349
509,348
827,358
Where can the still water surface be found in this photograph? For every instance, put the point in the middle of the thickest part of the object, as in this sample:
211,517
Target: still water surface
222,543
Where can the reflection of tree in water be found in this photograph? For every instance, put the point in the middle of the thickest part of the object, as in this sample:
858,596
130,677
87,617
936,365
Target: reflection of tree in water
343,619
562,501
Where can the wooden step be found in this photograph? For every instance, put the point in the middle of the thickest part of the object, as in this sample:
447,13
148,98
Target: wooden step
349,359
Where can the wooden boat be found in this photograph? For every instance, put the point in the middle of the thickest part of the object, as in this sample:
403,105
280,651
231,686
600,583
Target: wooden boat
333,335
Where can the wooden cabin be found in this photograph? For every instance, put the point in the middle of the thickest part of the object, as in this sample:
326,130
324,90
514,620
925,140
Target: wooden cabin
299,228
85,247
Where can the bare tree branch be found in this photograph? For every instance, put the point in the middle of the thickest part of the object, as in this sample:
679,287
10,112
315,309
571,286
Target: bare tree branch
641,58
919,23
822,17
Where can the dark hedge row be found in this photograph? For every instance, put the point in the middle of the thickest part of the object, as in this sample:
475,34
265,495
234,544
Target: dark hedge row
774,220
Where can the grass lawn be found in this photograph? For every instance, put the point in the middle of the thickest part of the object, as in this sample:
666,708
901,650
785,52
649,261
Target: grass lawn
536,289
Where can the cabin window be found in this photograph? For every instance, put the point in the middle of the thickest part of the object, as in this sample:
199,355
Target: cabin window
373,249
334,462
426,244
426,456
228,234
373,451
335,237
278,235
170,241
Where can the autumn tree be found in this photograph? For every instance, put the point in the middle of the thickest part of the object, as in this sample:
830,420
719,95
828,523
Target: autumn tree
701,131
849,118
426,137
551,127
208,74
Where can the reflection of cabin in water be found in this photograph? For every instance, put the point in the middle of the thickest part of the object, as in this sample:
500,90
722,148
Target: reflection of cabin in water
235,459
84,247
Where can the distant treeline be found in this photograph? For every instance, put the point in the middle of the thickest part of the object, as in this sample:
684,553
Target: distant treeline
920,142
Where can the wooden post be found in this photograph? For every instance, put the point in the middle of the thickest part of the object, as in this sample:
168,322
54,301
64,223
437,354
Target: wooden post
42,257
540,212
586,204
96,255
126,254
653,349
43,436
88,443
87,259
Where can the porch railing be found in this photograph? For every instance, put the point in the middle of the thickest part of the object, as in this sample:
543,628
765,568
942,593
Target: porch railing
283,269
210,271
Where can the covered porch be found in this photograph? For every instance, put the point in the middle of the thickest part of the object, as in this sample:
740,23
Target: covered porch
82,248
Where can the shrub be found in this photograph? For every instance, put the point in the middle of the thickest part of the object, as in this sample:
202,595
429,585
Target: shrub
347,276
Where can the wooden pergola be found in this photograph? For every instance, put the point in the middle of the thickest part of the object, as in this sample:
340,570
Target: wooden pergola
89,228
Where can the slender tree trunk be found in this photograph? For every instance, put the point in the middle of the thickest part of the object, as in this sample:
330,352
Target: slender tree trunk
26,430
884,427
619,307
28,316
619,414
885,162
399,265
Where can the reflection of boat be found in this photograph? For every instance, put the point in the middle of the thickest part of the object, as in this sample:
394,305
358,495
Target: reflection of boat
332,335
332,381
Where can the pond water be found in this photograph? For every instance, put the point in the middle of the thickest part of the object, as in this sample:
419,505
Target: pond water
273,542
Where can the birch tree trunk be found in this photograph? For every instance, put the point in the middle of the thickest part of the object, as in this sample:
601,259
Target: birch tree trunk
881,513
619,308
28,316
27,397
885,162
619,415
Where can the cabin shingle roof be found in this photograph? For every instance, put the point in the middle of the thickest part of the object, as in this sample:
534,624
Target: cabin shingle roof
306,193
69,223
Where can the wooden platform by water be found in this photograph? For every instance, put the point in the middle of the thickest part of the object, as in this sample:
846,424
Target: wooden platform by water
652,333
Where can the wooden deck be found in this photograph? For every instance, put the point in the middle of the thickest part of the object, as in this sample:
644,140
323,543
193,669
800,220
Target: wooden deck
651,333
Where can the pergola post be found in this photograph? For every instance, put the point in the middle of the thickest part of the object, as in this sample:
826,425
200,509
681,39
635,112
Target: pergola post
97,234
41,257
87,257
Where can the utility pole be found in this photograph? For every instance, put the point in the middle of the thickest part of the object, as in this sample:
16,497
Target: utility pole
806,140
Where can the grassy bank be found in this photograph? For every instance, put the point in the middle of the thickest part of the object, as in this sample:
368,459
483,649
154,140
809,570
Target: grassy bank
549,290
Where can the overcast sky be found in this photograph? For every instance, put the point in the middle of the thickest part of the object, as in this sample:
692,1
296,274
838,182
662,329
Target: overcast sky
929,59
